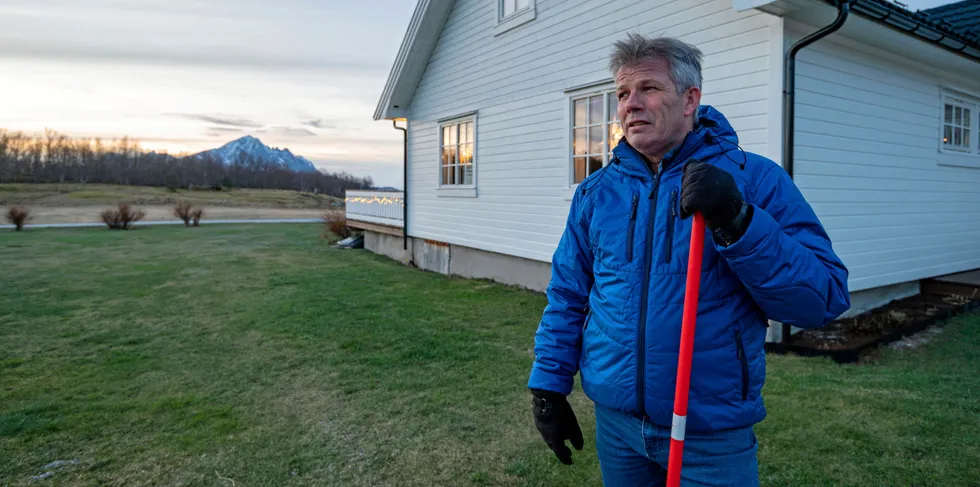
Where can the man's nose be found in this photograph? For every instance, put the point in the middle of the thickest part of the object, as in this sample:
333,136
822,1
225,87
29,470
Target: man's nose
632,102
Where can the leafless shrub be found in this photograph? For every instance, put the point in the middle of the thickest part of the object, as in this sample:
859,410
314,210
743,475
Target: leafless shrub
336,224
196,215
121,217
183,210
17,216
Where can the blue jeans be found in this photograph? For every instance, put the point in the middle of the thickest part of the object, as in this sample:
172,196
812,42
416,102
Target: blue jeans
633,452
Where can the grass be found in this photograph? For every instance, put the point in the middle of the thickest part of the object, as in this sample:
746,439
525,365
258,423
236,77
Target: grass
259,354
74,195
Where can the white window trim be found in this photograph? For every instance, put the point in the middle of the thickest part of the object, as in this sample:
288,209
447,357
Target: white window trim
506,24
959,157
602,87
458,190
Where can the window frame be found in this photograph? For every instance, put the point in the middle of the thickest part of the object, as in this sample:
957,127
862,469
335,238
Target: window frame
962,100
506,23
458,190
502,15
603,88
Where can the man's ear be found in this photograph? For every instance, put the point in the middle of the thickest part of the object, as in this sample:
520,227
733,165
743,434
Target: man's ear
692,99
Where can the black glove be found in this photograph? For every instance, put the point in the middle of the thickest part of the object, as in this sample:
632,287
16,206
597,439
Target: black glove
712,191
555,420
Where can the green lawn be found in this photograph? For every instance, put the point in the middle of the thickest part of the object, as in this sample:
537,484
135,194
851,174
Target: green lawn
173,356
73,194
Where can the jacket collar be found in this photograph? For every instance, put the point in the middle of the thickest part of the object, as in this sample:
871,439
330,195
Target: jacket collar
712,135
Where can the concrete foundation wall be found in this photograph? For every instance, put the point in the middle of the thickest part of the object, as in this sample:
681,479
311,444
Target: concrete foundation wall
472,263
461,261
387,245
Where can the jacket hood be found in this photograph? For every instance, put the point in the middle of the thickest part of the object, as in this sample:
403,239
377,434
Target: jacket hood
712,136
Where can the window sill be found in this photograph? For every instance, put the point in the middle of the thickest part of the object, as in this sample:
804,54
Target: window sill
952,158
569,193
514,21
970,162
451,192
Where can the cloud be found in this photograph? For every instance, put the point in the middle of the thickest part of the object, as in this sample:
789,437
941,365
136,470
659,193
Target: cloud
302,132
317,123
219,131
221,120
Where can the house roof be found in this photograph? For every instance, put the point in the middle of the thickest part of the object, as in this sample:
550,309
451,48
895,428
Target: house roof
920,25
413,56
961,16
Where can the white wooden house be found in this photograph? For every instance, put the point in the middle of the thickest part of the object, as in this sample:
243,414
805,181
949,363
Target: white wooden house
506,105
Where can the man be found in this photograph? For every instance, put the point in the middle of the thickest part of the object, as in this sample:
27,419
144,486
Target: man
618,279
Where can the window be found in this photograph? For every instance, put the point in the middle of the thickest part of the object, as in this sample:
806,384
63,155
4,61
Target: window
595,132
511,7
959,124
457,148
512,14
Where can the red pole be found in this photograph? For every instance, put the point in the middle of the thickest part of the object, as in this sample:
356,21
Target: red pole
679,425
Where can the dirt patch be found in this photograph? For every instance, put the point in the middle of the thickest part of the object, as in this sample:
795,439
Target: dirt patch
872,325
90,214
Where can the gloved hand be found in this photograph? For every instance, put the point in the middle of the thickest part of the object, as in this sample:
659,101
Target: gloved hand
712,191
556,422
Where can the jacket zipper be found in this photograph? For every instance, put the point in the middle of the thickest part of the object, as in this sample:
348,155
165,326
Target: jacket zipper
668,252
743,360
645,288
632,227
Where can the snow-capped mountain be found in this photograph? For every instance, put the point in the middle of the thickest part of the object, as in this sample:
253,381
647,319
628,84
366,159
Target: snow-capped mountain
248,147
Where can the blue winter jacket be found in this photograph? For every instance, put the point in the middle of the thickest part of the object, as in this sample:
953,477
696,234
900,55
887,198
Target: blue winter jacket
616,294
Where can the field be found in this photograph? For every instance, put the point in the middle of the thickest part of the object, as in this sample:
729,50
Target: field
76,203
258,355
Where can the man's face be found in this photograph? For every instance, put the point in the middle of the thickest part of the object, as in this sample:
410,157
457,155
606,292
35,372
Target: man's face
653,116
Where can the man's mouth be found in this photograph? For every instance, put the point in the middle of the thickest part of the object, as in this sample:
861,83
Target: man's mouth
637,123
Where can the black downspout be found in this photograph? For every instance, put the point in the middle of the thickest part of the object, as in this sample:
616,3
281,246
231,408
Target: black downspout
789,98
404,184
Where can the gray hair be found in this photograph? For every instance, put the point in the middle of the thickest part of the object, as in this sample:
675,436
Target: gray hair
683,59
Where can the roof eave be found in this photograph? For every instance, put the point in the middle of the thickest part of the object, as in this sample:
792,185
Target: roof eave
917,24
420,39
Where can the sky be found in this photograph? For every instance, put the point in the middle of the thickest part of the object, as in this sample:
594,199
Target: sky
191,75
184,76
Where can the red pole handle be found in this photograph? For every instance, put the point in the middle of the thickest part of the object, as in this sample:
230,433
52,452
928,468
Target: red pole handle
679,425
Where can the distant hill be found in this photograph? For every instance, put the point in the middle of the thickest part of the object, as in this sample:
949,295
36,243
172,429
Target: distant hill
251,148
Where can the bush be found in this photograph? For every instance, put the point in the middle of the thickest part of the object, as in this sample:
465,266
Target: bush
336,223
196,215
121,217
183,211
186,212
17,216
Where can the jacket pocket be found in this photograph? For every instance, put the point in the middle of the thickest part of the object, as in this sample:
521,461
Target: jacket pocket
743,360
669,240
631,228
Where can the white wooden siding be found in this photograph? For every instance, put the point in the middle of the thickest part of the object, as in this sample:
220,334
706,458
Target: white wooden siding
517,83
867,158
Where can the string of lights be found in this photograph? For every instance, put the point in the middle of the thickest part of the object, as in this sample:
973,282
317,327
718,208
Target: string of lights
374,199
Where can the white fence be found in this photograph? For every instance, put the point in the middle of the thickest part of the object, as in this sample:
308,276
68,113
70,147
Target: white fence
381,207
